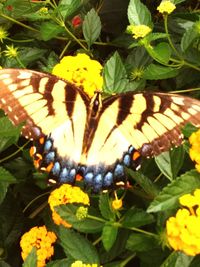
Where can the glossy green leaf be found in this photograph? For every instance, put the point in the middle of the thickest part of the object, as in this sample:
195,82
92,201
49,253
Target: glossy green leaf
105,207
68,7
50,30
91,27
158,72
9,134
138,13
114,75
141,242
135,217
87,225
31,260
147,185
160,53
190,36
77,246
109,235
6,178
169,196
177,259
170,162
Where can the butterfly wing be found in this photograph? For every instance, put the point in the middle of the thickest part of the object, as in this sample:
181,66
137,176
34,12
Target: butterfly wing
48,106
148,122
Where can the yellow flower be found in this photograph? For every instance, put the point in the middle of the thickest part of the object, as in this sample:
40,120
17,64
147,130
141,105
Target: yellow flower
11,51
194,152
81,264
3,34
66,194
82,71
138,31
183,232
166,7
42,240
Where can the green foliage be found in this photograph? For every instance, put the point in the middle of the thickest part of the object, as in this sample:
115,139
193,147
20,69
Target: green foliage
166,59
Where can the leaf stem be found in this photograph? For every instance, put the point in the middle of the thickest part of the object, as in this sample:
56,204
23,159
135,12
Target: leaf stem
18,22
14,153
96,218
124,263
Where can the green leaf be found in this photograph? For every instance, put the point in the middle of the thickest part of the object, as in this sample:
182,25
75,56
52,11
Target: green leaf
91,27
141,242
77,246
6,178
31,260
109,235
135,217
170,162
114,75
105,207
160,53
144,182
87,225
158,72
9,133
190,36
4,264
168,197
68,7
177,259
138,13
50,30
188,129
153,36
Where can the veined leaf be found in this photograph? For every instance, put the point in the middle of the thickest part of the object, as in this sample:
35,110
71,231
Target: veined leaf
9,133
31,260
190,36
114,75
105,208
169,196
77,246
67,7
170,162
109,235
158,72
177,259
50,30
91,27
138,13
141,242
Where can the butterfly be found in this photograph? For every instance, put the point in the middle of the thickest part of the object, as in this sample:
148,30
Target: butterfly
93,138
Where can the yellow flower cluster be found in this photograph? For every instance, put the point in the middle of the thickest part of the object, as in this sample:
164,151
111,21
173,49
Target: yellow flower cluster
81,264
138,31
195,148
66,194
40,238
183,231
3,34
81,71
166,7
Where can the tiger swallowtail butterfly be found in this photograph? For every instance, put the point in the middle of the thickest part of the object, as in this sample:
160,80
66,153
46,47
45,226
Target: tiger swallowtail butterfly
95,138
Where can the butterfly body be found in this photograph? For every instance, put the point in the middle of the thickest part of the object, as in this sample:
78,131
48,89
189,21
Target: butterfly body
95,138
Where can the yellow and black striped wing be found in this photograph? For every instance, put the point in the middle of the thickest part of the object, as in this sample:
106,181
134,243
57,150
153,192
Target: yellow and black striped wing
48,106
150,122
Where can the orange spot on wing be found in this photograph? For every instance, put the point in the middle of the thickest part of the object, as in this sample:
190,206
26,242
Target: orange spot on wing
49,167
79,177
32,151
136,155
41,140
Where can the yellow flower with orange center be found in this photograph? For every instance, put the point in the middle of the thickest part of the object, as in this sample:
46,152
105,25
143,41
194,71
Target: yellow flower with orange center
66,194
194,152
42,240
166,7
183,231
81,71
138,31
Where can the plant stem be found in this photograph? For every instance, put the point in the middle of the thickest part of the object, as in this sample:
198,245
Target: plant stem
14,153
96,218
122,264
18,22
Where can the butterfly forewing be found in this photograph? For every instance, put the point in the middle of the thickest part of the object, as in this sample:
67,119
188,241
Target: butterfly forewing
48,105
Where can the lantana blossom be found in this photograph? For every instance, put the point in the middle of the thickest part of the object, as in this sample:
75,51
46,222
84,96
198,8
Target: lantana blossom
81,71
42,240
194,151
183,232
66,194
